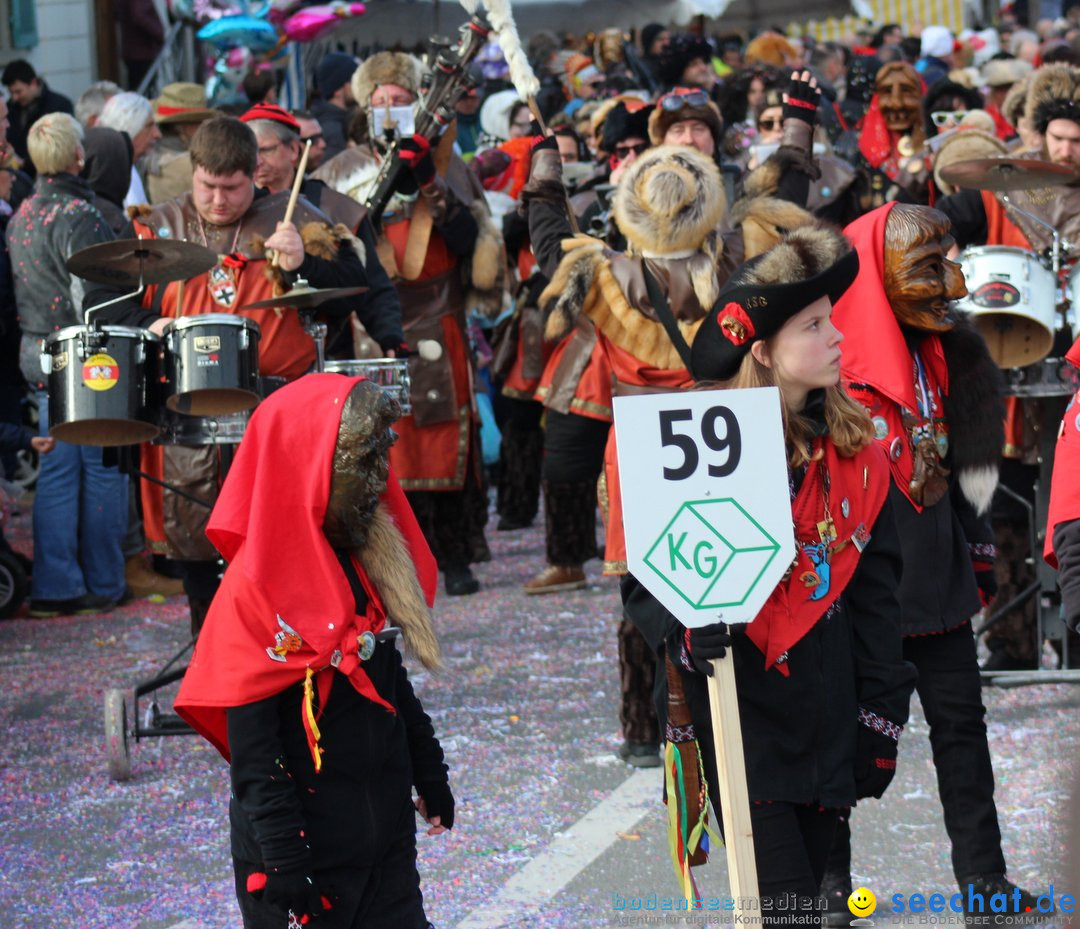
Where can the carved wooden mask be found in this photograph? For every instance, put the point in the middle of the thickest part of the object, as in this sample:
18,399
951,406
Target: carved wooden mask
919,280
899,90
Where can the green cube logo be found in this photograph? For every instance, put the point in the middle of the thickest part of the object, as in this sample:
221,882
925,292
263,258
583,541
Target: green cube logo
712,553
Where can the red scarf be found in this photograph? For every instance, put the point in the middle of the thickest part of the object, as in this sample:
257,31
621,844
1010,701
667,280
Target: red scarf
285,604
790,613
875,353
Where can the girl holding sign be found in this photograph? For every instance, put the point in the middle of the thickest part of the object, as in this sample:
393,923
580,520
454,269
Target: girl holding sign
823,688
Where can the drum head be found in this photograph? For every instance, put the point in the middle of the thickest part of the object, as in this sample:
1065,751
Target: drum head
212,402
1013,340
104,432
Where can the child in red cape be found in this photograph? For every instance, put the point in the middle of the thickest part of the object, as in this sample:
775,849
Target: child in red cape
295,678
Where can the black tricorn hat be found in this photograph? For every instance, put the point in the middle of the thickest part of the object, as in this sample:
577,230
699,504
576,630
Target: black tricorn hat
765,292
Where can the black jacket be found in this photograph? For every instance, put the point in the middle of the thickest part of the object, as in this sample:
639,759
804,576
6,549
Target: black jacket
799,732
23,117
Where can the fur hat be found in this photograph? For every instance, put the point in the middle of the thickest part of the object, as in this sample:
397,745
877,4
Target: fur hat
1012,107
765,292
1002,72
622,122
681,51
669,201
386,68
1054,93
770,48
965,144
661,119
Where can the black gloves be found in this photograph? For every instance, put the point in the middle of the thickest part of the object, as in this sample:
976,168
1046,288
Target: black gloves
875,762
801,98
415,151
438,801
704,644
288,890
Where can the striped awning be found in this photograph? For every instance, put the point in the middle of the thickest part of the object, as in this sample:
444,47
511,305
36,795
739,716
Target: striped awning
908,13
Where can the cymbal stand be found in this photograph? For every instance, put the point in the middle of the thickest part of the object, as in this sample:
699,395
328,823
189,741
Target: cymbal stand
317,331
122,297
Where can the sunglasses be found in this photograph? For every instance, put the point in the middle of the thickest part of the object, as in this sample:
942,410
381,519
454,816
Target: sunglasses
768,125
944,117
675,101
313,139
625,151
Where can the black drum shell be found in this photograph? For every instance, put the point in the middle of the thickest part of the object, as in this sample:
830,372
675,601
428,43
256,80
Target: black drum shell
211,364
121,413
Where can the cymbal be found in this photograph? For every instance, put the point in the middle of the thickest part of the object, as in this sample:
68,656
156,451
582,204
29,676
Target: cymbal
1007,174
303,297
157,261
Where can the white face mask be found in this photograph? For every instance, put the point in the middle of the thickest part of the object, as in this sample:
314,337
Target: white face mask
404,118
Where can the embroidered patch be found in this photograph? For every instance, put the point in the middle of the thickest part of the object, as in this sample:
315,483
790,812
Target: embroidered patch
222,286
286,641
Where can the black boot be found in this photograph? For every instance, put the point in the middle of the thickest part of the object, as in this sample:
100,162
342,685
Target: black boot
460,581
1023,910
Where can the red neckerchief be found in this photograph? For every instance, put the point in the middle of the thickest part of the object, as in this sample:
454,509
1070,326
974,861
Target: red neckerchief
876,142
875,353
285,604
857,490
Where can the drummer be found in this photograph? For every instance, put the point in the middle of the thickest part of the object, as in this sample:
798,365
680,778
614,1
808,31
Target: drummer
227,214
277,133
982,217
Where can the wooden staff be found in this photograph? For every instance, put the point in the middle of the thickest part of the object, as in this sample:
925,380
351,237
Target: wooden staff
535,110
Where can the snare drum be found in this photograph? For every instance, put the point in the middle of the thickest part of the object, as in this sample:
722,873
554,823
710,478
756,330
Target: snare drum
211,364
100,381
1012,300
392,374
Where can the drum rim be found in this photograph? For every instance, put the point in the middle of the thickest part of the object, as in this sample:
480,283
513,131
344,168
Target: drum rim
71,332
216,319
331,366
981,249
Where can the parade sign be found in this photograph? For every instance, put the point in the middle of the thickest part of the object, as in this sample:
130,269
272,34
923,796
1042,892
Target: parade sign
705,500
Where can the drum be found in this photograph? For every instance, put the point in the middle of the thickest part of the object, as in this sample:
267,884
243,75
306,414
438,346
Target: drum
101,382
211,364
1012,300
227,429
1051,377
392,374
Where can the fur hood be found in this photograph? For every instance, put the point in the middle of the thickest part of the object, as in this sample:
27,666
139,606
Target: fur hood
1054,93
386,68
669,201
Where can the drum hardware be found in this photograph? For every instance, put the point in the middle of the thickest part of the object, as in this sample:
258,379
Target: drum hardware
317,331
1002,174
302,296
391,374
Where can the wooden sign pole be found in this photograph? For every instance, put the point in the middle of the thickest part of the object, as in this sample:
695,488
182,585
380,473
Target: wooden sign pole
731,772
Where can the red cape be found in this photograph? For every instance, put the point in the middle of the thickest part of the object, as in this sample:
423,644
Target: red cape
285,604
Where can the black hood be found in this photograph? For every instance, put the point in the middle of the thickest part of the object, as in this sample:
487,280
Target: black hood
108,163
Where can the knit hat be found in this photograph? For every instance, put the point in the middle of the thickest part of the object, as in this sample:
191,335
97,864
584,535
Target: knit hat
273,113
765,292
681,104
333,73
181,102
936,42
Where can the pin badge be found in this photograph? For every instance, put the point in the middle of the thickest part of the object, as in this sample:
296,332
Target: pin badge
845,508
366,640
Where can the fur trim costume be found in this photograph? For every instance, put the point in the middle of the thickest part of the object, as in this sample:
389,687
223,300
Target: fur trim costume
1054,93
386,68
669,205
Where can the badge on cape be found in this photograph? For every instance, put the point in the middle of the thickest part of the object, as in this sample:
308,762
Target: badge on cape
286,641
222,286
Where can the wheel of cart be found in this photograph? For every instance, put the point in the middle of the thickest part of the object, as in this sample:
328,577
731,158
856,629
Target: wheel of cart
150,722
13,582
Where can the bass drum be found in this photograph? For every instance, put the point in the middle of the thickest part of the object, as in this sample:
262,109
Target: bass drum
391,374
1012,300
102,383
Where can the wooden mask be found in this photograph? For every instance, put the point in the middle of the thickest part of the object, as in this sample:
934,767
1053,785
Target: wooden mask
899,92
919,280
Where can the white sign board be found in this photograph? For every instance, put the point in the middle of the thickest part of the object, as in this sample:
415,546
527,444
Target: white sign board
705,500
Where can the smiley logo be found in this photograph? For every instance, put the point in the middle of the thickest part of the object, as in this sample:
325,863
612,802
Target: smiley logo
862,902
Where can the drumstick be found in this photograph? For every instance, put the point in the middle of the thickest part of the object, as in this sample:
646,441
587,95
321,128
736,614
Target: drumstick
180,299
297,181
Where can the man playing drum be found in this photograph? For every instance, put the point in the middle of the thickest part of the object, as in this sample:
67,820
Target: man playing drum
227,214
982,217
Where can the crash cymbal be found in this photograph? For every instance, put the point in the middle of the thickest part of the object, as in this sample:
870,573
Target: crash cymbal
157,261
1007,174
303,297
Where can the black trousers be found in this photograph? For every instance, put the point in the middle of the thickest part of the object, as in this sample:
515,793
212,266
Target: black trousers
951,694
386,896
791,846
573,448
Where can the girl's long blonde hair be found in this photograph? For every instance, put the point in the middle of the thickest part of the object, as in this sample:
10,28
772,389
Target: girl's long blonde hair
850,428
